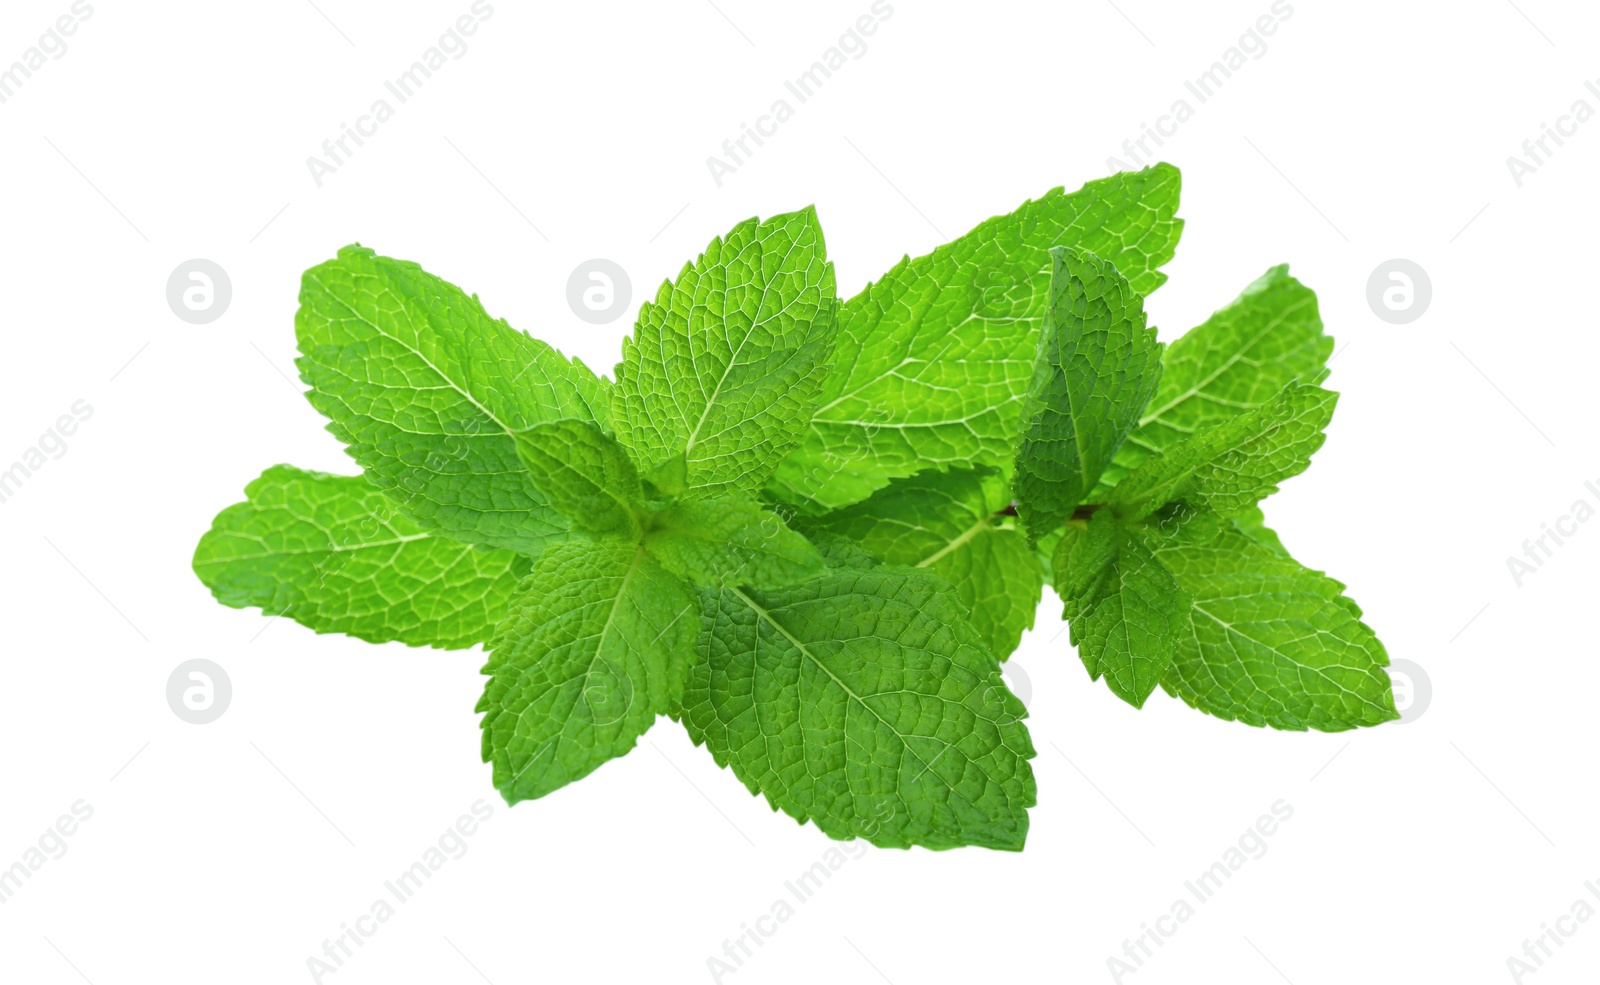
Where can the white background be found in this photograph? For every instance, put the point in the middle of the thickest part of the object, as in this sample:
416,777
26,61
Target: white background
228,852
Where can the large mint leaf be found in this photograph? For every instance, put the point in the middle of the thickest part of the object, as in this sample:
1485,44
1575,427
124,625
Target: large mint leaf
722,370
730,539
1124,609
585,476
429,392
1270,642
950,524
336,555
1230,467
862,700
934,357
1097,368
597,643
1237,360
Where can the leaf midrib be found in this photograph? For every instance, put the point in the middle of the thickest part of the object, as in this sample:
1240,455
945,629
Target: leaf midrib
509,431
325,550
733,359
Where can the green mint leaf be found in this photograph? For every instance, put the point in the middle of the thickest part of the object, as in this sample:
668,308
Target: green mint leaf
1124,609
1237,360
428,392
1270,642
597,643
730,540
1097,369
1228,468
1044,551
934,357
1253,524
863,700
585,476
978,420
722,370
946,522
336,555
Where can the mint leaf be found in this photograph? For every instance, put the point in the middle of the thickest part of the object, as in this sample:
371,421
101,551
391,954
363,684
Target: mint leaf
1238,359
947,522
597,643
336,555
934,357
722,370
1253,524
1044,551
1124,609
1228,468
730,540
585,476
862,700
1097,368
1271,642
429,392
626,550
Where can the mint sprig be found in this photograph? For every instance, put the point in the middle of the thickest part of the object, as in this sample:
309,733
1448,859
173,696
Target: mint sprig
809,529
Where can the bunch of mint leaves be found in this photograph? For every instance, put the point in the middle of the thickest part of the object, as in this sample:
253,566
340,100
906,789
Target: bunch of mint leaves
809,529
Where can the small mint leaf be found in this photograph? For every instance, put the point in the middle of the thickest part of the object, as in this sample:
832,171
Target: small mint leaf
1232,466
585,476
1270,642
722,370
1097,367
1238,359
597,643
730,540
1124,609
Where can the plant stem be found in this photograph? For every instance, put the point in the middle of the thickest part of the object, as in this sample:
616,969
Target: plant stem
1083,512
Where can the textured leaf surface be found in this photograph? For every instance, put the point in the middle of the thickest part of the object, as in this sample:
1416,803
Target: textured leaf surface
1097,369
730,540
1044,551
722,370
336,555
1124,609
1228,468
597,643
1253,524
1270,642
934,357
585,476
1237,360
946,522
864,701
428,392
